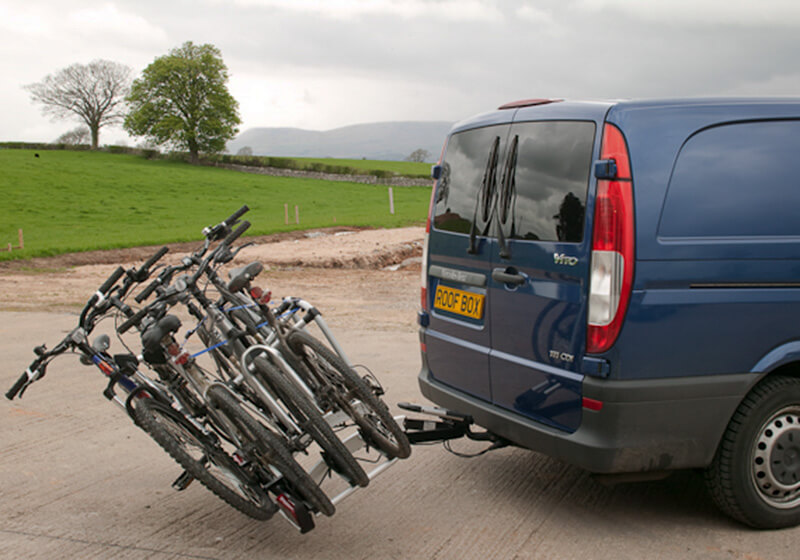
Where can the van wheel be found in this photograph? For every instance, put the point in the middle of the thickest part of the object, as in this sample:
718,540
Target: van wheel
755,474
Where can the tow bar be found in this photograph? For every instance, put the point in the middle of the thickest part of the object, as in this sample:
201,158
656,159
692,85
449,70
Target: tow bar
448,426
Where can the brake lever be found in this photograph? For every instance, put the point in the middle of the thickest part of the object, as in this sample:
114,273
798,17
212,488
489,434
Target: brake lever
224,256
38,374
228,255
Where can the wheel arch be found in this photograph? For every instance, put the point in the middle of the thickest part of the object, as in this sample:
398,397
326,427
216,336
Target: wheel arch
785,363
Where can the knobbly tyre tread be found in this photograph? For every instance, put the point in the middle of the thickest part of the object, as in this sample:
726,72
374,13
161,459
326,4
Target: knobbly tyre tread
272,448
400,448
145,418
315,425
723,479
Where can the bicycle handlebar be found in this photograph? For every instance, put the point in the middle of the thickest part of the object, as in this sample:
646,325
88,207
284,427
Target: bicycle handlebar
155,258
133,320
234,235
144,294
111,280
20,383
231,220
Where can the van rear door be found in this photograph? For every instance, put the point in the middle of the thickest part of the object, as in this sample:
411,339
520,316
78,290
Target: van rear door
538,285
459,256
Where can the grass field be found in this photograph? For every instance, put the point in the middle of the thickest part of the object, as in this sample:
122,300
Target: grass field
400,167
78,201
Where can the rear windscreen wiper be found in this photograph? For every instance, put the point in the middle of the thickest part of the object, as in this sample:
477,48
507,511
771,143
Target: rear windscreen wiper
505,197
485,194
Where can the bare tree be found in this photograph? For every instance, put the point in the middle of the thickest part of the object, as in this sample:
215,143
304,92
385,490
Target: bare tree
94,92
418,155
78,135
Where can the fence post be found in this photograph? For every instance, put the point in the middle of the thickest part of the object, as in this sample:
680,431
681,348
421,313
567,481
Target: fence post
391,201
296,214
21,240
286,214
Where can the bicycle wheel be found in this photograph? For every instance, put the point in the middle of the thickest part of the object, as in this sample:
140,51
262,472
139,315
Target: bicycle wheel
375,421
267,449
202,459
310,420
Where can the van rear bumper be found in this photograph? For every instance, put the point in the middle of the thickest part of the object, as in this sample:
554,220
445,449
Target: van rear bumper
644,425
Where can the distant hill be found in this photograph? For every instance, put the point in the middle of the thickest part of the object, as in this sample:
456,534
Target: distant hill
383,141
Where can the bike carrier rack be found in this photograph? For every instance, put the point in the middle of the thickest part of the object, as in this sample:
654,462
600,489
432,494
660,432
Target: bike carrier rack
448,425
320,471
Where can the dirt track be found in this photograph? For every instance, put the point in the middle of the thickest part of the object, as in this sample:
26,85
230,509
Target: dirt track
79,480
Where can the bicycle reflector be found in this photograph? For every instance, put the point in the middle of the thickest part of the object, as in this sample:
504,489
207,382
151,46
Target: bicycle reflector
297,514
260,295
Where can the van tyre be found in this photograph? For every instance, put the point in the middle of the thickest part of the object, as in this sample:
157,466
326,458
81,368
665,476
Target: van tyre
755,474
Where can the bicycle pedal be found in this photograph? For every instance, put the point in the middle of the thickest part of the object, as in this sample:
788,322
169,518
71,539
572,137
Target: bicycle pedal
183,481
374,386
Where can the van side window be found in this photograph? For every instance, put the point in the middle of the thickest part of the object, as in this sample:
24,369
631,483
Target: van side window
739,180
544,199
463,167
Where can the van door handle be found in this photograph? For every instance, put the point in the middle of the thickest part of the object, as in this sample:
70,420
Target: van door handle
503,275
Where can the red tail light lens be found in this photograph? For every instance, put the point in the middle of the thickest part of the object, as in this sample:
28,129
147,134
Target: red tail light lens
612,247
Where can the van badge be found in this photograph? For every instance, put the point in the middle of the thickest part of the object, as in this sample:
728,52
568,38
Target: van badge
561,356
457,275
561,258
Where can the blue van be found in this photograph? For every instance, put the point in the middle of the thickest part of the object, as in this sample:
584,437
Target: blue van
617,284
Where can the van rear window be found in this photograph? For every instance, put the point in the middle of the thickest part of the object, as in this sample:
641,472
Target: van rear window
543,198
737,180
463,168
546,198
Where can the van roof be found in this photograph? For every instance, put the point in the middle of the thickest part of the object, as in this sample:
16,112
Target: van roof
617,109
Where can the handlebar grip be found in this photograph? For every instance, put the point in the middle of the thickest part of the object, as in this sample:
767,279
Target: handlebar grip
144,294
111,280
234,235
282,307
23,379
236,215
134,320
155,258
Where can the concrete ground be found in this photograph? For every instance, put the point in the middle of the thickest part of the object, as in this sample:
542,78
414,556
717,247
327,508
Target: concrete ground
79,480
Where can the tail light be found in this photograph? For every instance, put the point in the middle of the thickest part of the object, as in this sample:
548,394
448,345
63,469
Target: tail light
611,279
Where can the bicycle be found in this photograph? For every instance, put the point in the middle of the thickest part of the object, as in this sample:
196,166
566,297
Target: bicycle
148,403
319,372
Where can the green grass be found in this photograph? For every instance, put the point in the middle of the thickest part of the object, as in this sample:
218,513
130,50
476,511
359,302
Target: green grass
407,168
78,201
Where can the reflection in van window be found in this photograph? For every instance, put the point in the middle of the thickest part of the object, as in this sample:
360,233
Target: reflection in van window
542,178
736,180
463,168
544,197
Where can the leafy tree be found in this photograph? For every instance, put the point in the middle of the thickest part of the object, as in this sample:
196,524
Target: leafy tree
419,155
78,135
245,151
182,101
94,92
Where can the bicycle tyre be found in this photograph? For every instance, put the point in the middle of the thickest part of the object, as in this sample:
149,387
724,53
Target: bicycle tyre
309,418
176,436
378,426
270,450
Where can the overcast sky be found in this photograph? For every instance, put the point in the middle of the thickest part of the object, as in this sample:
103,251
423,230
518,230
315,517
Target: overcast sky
321,64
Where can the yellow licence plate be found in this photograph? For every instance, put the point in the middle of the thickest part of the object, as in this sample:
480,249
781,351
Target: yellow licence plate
468,304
